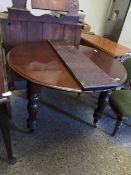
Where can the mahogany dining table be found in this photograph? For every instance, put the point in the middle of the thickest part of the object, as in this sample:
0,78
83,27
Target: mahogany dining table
61,66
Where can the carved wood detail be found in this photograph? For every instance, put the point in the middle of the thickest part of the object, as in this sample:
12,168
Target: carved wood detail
32,106
71,6
21,27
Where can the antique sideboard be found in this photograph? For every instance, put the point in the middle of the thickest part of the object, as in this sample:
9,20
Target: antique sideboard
19,26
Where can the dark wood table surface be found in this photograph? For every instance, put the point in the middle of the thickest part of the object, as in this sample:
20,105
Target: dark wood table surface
41,65
106,45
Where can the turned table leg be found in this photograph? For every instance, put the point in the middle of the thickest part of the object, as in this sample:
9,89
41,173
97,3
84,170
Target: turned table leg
102,102
33,91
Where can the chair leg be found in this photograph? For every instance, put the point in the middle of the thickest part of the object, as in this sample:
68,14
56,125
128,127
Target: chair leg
117,125
79,93
5,128
7,141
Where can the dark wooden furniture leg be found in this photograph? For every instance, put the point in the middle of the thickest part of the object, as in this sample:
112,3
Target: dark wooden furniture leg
5,128
117,125
33,91
11,85
102,102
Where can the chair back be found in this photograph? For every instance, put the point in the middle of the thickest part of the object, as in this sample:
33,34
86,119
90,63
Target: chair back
3,87
127,65
1,75
126,61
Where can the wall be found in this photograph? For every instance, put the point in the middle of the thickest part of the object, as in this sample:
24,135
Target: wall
96,14
4,4
125,37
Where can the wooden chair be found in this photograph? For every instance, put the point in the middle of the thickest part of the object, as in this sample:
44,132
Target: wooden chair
120,100
22,27
127,64
4,114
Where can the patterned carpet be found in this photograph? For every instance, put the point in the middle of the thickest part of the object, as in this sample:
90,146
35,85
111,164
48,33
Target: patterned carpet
65,143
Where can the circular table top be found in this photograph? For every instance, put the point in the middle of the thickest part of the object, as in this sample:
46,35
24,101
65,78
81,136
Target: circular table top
38,63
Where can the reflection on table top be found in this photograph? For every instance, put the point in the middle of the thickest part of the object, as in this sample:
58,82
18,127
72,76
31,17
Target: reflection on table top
39,63
106,45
